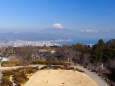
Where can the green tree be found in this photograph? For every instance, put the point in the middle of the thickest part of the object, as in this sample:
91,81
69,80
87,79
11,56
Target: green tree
97,51
109,52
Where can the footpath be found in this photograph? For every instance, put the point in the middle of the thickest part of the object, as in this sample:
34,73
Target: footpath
94,76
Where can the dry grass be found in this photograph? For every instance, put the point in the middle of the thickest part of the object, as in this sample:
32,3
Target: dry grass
60,78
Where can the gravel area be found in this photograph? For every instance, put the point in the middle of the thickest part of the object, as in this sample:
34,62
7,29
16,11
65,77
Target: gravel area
94,76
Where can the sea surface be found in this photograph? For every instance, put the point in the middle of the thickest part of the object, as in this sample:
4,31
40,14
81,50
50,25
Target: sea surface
83,41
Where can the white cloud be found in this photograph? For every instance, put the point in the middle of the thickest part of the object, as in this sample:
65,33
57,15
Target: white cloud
89,30
57,25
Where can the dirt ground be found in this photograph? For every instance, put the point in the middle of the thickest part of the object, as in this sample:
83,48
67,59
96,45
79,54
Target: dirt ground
60,78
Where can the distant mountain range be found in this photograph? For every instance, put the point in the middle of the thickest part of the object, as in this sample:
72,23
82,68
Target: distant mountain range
54,34
45,34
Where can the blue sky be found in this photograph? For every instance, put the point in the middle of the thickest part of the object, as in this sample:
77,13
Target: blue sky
34,15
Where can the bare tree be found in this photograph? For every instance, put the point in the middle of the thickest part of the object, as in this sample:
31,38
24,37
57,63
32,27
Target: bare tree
25,54
65,53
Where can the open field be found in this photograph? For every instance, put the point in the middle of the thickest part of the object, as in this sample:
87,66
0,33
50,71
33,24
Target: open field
60,78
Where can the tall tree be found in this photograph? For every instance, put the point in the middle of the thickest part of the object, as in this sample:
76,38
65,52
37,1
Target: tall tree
109,51
97,51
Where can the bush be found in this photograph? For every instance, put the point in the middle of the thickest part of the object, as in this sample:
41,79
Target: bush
3,63
20,77
17,83
71,68
57,67
16,74
50,62
21,80
7,72
9,63
79,70
36,68
6,81
44,67
30,70
4,85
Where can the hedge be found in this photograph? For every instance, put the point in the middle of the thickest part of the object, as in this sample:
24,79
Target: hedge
9,63
50,62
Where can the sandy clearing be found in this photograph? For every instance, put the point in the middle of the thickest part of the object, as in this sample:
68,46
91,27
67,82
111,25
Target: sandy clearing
60,78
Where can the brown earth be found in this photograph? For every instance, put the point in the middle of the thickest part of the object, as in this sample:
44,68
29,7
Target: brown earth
60,78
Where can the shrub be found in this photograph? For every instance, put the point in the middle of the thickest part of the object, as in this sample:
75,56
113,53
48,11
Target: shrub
21,80
79,70
20,77
57,67
4,85
7,72
50,62
44,67
16,74
36,68
71,68
9,63
30,70
17,83
3,63
6,80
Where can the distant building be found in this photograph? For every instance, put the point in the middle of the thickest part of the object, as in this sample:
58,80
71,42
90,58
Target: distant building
4,59
43,51
52,52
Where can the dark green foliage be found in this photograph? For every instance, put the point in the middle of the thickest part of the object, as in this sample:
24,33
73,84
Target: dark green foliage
109,52
97,51
105,53
111,42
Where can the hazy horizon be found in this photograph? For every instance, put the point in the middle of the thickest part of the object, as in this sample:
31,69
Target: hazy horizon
84,16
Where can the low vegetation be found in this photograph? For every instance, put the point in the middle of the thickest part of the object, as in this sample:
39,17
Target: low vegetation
99,58
18,76
6,78
44,62
9,63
